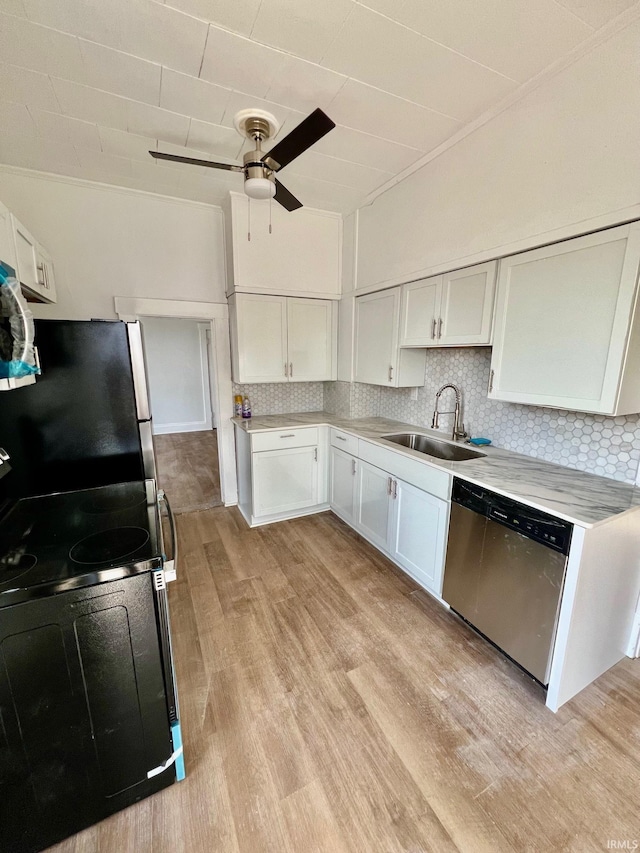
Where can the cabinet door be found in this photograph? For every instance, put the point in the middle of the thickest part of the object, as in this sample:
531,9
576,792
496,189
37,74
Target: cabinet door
419,312
418,534
284,480
300,255
372,517
7,244
466,306
377,317
343,483
259,338
562,319
27,257
46,273
311,340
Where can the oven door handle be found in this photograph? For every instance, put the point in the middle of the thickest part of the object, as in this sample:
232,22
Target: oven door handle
170,566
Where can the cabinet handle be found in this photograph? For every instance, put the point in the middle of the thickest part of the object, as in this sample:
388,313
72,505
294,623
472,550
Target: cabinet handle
286,369
341,438
389,485
390,373
290,369
40,268
353,466
288,435
315,454
439,327
433,328
491,375
395,489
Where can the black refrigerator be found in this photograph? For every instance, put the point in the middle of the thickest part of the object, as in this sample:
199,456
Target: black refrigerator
86,422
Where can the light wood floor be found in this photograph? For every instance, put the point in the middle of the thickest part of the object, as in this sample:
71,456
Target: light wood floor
329,705
188,471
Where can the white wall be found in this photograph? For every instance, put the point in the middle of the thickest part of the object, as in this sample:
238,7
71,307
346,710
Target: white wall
107,241
177,373
565,154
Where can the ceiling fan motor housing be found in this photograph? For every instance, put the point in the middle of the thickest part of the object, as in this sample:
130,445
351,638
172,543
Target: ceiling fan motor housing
255,168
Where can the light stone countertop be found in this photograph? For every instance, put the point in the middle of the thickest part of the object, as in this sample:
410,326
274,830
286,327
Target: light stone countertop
584,499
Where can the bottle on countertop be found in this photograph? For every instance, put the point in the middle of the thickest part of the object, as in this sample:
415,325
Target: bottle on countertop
237,405
246,407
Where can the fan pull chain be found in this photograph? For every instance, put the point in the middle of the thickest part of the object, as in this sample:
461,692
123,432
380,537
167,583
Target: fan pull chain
249,223
270,214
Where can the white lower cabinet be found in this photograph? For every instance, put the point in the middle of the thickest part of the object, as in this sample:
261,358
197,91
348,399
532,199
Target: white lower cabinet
285,480
281,474
343,484
407,523
372,510
401,508
418,534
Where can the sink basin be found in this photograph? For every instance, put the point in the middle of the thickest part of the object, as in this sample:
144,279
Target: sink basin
433,447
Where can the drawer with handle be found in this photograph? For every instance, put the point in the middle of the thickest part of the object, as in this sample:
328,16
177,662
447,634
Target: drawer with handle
305,437
346,442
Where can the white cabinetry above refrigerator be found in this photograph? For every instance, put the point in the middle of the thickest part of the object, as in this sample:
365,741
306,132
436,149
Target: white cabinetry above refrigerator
282,339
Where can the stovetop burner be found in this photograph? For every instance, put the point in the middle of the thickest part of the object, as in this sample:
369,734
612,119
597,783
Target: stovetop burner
108,546
67,540
14,564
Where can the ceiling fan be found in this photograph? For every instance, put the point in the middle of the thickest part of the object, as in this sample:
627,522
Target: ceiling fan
259,166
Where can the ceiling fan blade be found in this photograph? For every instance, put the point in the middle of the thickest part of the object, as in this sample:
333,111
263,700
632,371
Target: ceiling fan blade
230,167
285,198
306,134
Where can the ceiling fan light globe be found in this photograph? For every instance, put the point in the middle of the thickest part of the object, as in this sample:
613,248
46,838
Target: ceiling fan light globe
259,188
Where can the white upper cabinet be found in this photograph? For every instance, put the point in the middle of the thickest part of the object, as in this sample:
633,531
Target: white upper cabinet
26,257
281,339
567,325
31,261
378,357
259,338
312,340
46,276
300,257
454,309
7,244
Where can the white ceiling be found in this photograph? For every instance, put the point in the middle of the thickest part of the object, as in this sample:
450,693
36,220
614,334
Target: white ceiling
87,87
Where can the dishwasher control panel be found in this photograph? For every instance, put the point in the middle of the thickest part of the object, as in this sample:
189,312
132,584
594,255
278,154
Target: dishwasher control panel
553,532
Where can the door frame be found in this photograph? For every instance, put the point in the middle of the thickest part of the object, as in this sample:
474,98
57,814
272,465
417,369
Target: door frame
217,314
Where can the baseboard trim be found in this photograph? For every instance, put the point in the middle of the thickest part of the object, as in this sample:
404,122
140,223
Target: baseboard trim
195,426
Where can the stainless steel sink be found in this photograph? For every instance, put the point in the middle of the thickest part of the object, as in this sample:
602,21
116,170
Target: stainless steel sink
433,447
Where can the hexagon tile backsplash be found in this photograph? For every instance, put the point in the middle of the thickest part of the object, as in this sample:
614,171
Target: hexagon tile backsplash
280,398
594,443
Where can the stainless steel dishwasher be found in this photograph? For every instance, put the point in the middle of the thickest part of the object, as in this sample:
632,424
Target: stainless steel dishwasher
504,573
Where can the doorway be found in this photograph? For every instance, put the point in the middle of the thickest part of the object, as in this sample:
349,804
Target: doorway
177,357
201,452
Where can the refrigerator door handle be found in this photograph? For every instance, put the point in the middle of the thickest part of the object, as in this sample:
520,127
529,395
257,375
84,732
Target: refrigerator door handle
170,566
136,349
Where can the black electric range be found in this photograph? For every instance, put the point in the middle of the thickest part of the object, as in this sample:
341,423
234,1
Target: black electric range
65,541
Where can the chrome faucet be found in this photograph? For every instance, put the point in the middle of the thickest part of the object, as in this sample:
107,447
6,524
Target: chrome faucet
458,427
